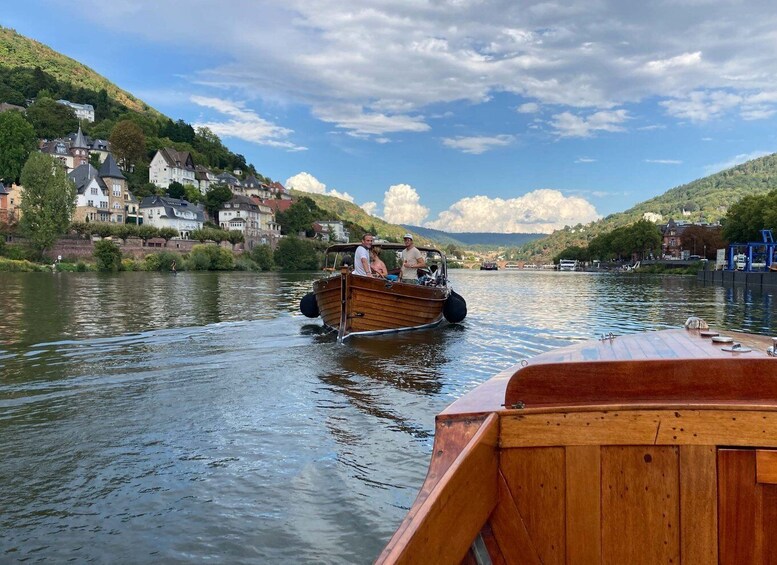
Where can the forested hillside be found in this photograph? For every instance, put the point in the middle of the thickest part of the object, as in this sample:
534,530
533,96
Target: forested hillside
349,212
17,51
706,199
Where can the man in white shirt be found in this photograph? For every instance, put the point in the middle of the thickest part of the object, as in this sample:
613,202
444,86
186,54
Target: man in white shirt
361,261
412,260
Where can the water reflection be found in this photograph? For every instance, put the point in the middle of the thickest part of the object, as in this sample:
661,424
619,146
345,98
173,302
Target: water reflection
201,417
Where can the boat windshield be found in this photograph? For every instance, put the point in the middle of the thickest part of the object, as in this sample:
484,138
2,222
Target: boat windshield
343,256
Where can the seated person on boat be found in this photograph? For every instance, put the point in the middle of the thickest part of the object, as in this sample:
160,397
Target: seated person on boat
378,267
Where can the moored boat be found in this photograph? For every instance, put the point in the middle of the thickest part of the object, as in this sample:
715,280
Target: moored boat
656,447
363,305
568,265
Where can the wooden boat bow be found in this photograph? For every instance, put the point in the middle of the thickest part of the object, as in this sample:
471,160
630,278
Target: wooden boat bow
648,448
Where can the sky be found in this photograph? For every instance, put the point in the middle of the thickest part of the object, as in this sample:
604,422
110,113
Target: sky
460,115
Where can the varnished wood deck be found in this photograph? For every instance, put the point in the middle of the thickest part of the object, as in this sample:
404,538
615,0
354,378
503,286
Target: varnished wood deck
650,448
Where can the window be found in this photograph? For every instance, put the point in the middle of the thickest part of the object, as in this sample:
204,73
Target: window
90,202
117,206
94,190
120,219
116,189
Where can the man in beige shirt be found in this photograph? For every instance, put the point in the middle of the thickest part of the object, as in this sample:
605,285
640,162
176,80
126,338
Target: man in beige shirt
412,260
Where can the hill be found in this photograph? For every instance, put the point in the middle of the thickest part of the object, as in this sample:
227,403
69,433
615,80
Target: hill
19,51
350,212
706,199
466,239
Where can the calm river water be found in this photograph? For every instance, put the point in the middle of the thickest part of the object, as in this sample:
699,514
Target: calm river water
147,418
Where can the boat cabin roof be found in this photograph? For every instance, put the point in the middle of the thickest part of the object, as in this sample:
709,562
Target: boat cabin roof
660,368
351,247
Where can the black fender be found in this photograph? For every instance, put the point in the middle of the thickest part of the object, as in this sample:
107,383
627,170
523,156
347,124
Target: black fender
309,306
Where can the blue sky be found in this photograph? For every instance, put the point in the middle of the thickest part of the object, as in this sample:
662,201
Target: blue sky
461,115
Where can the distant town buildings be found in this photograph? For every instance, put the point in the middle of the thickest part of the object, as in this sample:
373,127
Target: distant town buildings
164,212
102,196
251,218
170,165
331,230
82,111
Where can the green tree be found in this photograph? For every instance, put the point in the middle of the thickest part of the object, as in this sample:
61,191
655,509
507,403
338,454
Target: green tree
300,217
749,216
234,237
48,201
107,255
215,199
168,233
51,119
176,190
294,254
128,143
262,256
192,194
645,238
17,141
146,232
210,257
200,235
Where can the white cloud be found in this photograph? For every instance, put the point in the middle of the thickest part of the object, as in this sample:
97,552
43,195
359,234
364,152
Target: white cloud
540,211
567,124
528,108
678,62
664,161
306,182
585,160
371,208
244,124
402,205
702,106
391,61
478,145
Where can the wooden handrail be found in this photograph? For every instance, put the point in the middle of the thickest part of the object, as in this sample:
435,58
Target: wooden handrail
456,508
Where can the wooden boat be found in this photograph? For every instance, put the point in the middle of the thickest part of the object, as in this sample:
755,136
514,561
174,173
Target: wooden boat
359,305
658,447
489,266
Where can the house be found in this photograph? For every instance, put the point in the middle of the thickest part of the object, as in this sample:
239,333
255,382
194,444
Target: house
120,200
204,178
164,212
170,165
330,230
242,214
254,220
92,200
277,190
82,111
275,204
72,153
5,217
231,181
102,195
254,187
10,198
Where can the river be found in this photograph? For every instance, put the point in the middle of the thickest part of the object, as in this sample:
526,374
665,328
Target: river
152,418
